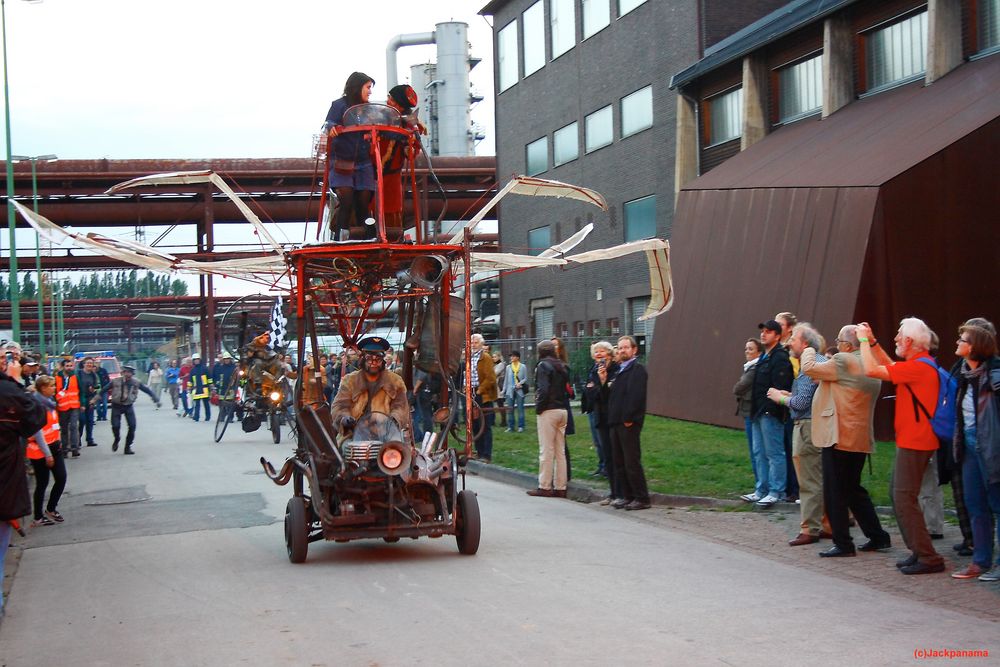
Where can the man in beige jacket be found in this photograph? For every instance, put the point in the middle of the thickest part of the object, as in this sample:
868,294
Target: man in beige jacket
372,389
842,425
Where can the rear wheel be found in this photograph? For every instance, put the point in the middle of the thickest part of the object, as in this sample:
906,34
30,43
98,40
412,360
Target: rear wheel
274,422
296,530
469,524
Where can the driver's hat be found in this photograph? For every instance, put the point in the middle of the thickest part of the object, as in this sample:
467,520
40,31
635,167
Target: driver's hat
127,367
374,344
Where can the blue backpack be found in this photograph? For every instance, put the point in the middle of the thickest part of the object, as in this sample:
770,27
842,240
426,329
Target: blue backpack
943,418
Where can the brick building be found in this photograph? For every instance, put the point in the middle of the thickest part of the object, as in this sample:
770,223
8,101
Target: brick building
583,96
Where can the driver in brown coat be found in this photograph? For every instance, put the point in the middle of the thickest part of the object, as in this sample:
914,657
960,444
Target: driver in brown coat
371,389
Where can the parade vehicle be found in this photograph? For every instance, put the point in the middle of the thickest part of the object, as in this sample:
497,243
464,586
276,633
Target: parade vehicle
375,481
106,359
258,392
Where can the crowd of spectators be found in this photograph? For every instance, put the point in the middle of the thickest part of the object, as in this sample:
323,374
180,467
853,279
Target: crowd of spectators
827,397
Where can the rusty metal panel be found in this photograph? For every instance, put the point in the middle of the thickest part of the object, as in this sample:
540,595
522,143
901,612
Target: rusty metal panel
870,141
740,256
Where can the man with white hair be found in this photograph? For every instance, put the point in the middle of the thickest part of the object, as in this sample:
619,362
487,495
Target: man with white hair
484,392
842,427
916,380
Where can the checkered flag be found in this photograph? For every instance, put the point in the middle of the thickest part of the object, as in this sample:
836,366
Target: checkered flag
279,326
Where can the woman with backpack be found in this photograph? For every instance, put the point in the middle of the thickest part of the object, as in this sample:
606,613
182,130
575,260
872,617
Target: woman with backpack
977,443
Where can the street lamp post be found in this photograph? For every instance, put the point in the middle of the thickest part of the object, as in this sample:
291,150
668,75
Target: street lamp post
15,295
38,244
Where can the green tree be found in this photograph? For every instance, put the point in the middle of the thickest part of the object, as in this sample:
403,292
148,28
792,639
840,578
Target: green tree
28,288
178,288
3,290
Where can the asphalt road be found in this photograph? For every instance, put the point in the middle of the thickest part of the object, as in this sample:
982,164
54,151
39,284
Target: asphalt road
176,556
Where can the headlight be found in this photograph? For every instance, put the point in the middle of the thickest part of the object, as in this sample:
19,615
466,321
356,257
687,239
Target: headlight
394,458
275,396
242,372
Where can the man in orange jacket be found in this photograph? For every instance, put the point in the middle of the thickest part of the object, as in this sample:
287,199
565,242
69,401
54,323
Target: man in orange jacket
68,406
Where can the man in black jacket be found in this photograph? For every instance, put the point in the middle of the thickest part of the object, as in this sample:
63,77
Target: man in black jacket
626,412
768,418
20,417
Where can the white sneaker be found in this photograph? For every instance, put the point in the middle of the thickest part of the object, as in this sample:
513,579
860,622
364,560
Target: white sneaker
750,497
768,500
992,575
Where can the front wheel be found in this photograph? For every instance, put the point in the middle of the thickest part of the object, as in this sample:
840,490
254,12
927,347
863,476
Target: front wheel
296,530
469,523
226,409
274,422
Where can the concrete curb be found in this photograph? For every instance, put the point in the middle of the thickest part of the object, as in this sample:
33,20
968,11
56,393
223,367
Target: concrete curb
586,494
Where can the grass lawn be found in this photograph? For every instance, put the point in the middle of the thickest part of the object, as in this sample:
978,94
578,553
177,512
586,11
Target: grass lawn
682,458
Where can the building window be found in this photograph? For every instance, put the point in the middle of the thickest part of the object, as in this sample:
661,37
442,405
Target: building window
539,239
565,144
508,333
988,22
543,323
625,6
614,327
536,156
637,111
563,330
596,16
507,56
534,37
522,332
800,89
897,52
637,307
640,218
580,328
595,327
598,129
563,22
725,114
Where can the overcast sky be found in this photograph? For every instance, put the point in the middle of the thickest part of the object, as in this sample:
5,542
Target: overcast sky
192,79
208,79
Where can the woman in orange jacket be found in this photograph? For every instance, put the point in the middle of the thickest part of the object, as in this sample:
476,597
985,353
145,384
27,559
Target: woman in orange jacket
45,453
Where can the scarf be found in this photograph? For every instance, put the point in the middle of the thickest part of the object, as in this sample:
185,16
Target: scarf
978,377
750,364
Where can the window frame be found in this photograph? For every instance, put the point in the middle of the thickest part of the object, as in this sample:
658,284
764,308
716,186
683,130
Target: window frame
709,115
554,17
527,156
863,50
611,135
576,144
534,245
583,17
621,112
625,222
777,89
501,60
618,6
541,37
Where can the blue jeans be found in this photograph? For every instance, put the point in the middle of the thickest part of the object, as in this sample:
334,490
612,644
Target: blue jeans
102,407
983,501
769,453
5,530
748,427
598,443
87,425
516,410
484,443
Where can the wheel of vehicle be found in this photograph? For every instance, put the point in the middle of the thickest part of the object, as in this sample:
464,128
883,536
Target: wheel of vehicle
469,525
226,410
296,530
274,423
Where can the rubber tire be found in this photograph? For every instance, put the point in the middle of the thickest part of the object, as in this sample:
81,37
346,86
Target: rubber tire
226,410
469,523
274,424
296,530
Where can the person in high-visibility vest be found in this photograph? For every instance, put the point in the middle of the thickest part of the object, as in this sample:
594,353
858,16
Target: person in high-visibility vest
67,387
201,380
44,451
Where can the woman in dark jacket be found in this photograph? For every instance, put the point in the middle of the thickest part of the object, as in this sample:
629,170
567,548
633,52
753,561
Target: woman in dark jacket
595,397
351,172
977,443
743,388
20,417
